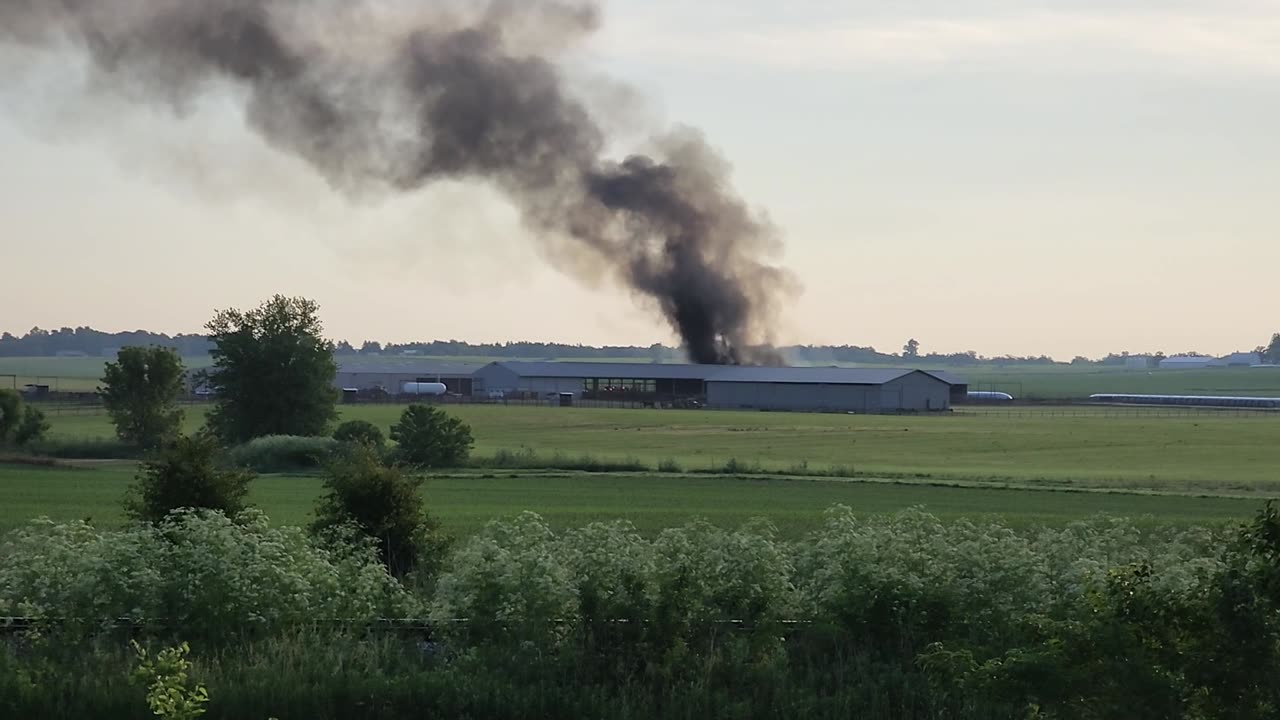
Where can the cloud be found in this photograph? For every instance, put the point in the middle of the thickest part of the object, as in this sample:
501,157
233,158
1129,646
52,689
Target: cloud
1240,37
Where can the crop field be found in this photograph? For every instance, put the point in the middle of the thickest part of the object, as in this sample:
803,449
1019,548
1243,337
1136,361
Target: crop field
1068,383
730,466
75,374
652,501
1201,453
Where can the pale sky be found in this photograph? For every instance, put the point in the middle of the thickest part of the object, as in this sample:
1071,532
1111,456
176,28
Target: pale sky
1063,177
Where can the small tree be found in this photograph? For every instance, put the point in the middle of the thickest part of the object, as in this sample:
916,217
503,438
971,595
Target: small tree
429,437
360,432
20,424
32,428
273,371
140,391
384,504
186,475
911,349
10,414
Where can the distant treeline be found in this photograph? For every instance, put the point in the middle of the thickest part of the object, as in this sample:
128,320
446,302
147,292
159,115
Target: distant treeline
87,341
95,343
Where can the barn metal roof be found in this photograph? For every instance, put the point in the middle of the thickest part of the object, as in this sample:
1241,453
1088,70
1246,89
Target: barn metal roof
715,373
818,375
406,365
628,370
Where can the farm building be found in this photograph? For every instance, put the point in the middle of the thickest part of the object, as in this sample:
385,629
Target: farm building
389,374
816,388
594,381
1186,362
724,386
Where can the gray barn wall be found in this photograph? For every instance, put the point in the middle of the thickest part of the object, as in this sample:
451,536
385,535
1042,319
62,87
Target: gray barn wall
495,377
793,396
917,391
391,382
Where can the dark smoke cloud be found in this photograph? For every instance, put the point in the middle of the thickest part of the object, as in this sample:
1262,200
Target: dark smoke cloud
395,95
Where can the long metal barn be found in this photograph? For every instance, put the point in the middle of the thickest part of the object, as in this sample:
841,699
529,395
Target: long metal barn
862,390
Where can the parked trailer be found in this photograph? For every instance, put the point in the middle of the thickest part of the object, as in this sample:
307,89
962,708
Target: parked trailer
1215,401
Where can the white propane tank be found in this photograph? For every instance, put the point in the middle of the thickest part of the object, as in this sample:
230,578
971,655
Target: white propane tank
423,388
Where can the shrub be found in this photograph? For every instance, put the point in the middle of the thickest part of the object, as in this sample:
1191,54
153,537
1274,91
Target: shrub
19,423
283,453
383,504
200,571
509,582
171,691
32,428
360,432
186,475
429,437
10,413
670,465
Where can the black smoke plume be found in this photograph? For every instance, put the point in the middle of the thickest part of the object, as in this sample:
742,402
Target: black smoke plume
397,94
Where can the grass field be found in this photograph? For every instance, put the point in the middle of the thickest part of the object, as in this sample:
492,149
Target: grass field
1075,383
465,501
74,374
1217,454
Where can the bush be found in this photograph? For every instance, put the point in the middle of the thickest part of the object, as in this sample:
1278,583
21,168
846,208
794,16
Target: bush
283,453
10,413
186,475
198,571
360,432
33,427
429,437
20,424
383,504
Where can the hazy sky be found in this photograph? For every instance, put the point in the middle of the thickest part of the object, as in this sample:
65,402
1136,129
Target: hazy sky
1029,177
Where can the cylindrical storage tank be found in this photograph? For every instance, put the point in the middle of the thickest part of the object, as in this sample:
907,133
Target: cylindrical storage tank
423,388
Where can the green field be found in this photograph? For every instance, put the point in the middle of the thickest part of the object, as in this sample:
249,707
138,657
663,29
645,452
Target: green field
1077,383
1041,467
1202,453
465,501
67,374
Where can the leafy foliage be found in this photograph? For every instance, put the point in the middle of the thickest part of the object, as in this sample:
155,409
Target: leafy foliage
385,505
33,427
20,424
360,432
186,475
282,453
171,691
273,371
431,438
199,571
10,413
140,392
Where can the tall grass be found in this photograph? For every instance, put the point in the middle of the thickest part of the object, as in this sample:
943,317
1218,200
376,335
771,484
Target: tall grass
283,453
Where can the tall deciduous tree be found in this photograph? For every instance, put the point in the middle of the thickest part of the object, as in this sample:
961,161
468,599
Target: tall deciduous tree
273,371
140,391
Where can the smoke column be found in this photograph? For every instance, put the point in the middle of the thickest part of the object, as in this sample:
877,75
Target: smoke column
388,94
